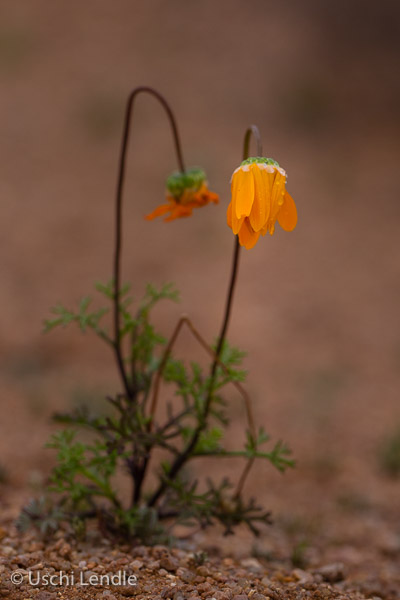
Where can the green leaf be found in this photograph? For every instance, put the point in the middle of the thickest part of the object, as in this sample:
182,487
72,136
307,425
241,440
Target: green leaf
209,441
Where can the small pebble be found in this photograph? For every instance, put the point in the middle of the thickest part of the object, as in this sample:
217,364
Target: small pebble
169,563
332,573
136,565
252,564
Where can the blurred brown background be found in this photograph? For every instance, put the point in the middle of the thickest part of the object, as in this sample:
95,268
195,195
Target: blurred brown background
317,309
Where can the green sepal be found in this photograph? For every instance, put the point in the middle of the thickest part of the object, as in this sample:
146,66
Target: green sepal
192,179
260,159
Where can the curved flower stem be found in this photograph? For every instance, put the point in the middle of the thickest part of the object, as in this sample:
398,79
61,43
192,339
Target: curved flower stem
252,130
129,389
183,457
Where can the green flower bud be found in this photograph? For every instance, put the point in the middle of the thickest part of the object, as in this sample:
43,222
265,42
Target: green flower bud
192,180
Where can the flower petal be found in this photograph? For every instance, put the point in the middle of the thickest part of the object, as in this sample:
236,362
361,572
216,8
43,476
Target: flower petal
203,197
262,198
233,222
242,191
208,196
277,196
287,217
269,227
247,237
213,197
236,223
178,212
159,211
229,215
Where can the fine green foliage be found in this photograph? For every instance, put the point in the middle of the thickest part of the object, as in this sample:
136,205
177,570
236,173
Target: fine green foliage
82,484
83,470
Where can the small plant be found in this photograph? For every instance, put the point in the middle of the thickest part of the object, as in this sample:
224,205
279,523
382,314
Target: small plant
4,476
389,454
200,558
299,554
134,435
42,513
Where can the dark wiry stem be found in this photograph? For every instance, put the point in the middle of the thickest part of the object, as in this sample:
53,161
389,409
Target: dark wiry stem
129,389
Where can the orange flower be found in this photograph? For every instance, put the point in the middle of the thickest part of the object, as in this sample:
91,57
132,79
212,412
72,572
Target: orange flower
185,191
259,199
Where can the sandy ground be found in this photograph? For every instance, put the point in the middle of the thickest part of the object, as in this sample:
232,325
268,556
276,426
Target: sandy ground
316,310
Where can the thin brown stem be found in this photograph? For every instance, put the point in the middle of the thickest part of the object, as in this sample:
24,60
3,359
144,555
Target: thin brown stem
161,368
184,320
243,477
236,384
128,387
225,322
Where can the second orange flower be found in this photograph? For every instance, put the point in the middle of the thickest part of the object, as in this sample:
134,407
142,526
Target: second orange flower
185,191
259,199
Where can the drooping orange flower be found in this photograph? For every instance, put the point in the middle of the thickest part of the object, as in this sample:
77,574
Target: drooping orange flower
185,191
259,199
